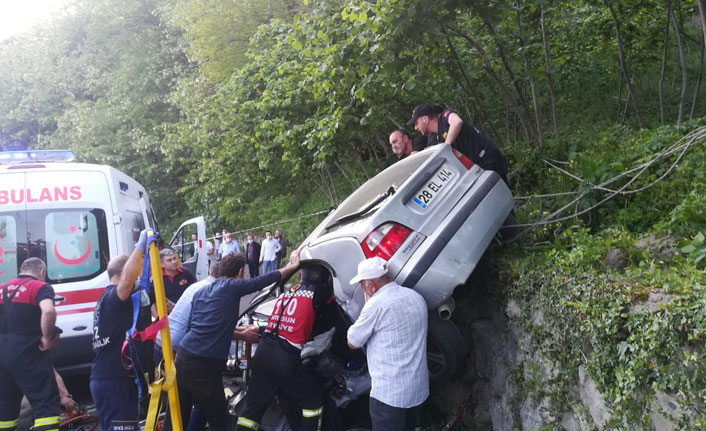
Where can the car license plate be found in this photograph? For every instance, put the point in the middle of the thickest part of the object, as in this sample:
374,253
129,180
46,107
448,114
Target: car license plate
431,189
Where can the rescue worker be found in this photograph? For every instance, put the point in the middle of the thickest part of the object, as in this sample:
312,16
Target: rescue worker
27,333
444,125
277,362
113,387
176,279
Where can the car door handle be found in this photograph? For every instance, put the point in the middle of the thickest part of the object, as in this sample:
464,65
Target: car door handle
80,327
58,299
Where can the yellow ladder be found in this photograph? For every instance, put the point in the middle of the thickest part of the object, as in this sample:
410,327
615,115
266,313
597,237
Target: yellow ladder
167,383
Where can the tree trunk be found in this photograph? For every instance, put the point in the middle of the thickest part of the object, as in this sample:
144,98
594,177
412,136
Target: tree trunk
623,64
522,113
664,64
620,100
472,91
528,71
682,62
332,184
702,15
507,120
548,65
698,80
511,75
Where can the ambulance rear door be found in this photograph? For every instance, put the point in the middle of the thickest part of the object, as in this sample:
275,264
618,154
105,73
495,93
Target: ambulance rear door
193,253
13,242
70,226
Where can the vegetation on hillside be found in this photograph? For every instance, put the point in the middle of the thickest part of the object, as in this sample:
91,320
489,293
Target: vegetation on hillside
251,112
215,105
639,329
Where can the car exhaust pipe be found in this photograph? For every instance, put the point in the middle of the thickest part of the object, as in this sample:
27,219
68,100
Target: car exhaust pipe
446,308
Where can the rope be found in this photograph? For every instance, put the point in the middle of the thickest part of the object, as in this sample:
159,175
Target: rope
282,221
681,148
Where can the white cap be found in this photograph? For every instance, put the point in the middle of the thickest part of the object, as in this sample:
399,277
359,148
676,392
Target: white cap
370,268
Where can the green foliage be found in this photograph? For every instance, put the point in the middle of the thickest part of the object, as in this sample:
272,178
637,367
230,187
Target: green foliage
695,248
630,351
638,330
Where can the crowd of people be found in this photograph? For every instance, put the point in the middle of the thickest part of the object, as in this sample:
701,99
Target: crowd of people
202,315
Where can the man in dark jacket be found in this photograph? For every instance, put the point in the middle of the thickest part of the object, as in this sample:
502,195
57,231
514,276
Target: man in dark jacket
282,253
204,349
252,255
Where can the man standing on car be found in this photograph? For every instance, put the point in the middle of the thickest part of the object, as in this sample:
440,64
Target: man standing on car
252,254
447,126
176,279
393,325
27,333
113,387
204,349
277,362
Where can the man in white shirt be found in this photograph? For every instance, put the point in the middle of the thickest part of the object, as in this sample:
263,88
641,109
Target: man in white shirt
268,253
393,325
228,246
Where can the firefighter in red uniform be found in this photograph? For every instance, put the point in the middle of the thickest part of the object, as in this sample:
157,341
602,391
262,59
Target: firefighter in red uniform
27,332
277,363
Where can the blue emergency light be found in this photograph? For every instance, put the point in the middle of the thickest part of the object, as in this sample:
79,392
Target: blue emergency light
14,157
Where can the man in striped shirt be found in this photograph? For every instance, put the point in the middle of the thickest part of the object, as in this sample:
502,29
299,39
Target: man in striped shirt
393,326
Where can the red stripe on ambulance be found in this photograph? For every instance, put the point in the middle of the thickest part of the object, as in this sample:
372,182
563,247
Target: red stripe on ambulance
76,311
73,297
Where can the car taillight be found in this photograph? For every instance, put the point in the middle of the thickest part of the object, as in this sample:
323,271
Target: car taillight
385,240
465,161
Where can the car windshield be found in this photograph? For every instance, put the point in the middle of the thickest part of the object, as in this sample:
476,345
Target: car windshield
379,185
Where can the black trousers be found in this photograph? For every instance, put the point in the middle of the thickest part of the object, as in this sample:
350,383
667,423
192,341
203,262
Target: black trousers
116,402
199,381
388,418
24,369
277,365
254,269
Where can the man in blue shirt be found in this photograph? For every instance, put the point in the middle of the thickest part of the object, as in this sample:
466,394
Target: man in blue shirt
204,349
112,386
229,245
178,319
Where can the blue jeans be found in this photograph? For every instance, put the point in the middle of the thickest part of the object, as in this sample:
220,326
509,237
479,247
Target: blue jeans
269,266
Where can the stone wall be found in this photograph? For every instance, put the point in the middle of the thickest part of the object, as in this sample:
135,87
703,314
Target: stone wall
504,374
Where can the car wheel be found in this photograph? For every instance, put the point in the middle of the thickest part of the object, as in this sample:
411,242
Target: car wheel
445,349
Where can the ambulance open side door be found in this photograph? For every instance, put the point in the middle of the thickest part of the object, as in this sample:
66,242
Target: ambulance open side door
190,243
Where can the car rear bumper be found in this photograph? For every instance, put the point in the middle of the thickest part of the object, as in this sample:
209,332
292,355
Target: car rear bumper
439,265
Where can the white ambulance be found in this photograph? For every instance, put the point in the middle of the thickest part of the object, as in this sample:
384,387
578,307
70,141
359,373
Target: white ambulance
75,217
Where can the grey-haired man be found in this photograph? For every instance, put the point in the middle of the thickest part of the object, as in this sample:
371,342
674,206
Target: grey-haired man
393,326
